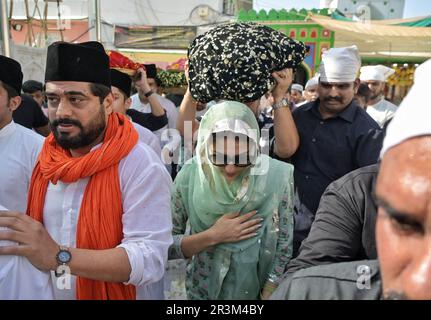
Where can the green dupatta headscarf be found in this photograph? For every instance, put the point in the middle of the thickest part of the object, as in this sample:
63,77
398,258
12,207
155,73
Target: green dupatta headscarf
240,269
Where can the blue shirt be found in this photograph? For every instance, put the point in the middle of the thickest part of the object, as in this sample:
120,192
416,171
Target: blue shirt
331,148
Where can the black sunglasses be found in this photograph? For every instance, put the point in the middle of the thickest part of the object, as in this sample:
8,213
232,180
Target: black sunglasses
239,160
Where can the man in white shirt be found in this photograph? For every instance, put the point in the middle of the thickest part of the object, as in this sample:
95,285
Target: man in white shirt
296,94
121,85
378,107
147,100
19,146
142,102
19,279
99,201
310,91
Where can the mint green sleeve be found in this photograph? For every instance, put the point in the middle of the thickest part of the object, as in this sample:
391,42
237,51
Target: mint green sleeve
284,247
179,222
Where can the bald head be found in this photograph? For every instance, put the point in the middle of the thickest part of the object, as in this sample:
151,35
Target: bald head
403,231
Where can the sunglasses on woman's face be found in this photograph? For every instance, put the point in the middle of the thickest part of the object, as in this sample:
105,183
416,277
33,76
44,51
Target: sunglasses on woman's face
239,160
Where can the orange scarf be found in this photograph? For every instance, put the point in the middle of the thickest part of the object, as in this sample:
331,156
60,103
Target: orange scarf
100,220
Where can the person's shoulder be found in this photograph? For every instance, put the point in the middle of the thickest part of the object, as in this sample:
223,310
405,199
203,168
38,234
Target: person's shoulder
277,172
364,175
390,106
28,102
29,135
166,101
187,172
364,121
136,102
342,270
145,135
357,280
143,158
278,165
142,130
299,110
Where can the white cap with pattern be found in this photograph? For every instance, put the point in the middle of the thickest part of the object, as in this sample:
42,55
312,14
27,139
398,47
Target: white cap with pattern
340,65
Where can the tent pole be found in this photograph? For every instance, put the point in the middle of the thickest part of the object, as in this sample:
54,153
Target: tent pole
5,28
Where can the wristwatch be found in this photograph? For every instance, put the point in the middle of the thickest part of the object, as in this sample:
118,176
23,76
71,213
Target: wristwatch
148,94
63,257
281,104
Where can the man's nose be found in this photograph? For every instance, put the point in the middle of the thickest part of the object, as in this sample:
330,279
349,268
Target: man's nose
417,278
63,109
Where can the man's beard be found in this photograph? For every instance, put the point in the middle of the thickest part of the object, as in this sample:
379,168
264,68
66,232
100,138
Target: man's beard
394,295
375,96
85,137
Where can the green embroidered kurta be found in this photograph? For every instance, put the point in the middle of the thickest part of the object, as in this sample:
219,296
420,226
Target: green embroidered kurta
201,195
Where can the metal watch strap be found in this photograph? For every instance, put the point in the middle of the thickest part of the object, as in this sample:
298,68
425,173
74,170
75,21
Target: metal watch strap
281,104
59,263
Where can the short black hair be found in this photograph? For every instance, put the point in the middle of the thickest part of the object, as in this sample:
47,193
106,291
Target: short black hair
158,82
125,96
11,92
31,86
364,91
100,90
137,77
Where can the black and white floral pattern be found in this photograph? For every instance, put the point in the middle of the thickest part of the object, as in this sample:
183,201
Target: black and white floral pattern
235,61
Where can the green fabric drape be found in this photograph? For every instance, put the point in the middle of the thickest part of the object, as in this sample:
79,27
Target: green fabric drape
239,269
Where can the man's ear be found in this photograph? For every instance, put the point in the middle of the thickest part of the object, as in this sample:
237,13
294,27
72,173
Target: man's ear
14,103
356,85
108,103
127,103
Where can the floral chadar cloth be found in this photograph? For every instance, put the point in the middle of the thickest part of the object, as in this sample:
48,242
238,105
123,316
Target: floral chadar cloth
235,61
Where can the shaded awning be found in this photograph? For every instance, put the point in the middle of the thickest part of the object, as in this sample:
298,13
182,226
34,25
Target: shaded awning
379,40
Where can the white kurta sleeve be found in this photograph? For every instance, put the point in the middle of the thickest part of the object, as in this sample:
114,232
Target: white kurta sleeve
147,223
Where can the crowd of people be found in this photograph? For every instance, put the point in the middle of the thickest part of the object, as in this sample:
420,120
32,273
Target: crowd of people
267,188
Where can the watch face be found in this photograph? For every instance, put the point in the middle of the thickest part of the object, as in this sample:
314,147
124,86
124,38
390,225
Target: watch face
64,256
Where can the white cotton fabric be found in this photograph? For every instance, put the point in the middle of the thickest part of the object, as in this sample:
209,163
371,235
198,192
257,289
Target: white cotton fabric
168,105
413,117
376,73
382,111
147,223
19,279
340,65
19,149
148,138
312,83
297,87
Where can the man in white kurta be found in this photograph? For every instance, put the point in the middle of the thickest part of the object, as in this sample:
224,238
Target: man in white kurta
141,102
76,110
378,107
144,101
167,104
145,190
19,148
19,279
121,85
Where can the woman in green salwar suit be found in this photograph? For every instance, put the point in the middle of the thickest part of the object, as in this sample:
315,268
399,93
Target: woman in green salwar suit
239,204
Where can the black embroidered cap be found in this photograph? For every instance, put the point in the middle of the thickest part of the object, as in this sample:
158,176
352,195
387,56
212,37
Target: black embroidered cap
151,70
83,62
235,61
10,73
122,81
